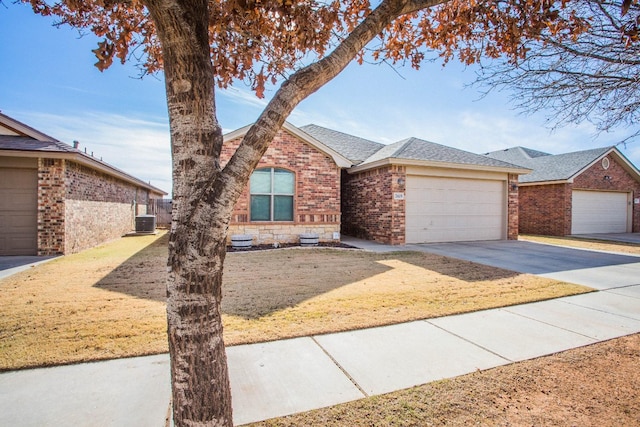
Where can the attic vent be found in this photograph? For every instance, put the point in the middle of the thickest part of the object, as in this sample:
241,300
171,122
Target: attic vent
605,163
145,224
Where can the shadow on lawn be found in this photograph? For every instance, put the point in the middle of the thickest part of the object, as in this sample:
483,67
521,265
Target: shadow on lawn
143,275
262,282
254,284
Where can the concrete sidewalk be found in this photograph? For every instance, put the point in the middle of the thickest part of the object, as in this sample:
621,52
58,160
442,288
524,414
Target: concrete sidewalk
288,376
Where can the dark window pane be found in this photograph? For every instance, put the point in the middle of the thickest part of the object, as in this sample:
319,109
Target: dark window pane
283,208
260,208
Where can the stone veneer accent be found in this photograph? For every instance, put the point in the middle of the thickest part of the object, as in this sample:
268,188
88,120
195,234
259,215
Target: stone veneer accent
316,199
546,209
79,207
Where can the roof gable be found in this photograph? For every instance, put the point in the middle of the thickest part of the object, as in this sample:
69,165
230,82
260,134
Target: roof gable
12,127
339,159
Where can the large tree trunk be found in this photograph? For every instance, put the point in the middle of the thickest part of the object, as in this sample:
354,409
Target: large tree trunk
201,211
204,195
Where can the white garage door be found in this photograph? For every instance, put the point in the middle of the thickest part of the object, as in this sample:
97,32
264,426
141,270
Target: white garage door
598,212
18,211
454,210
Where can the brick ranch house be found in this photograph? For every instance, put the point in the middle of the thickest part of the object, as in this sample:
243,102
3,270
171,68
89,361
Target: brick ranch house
55,199
316,180
584,192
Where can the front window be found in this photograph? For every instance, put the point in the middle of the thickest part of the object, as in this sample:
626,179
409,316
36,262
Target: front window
272,195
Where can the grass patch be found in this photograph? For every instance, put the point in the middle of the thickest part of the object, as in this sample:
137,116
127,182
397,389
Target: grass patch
582,243
108,302
57,313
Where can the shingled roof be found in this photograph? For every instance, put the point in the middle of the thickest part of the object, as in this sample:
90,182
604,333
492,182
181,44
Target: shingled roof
418,149
26,143
352,147
547,167
362,152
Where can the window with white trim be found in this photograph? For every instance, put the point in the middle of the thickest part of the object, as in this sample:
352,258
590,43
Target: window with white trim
272,194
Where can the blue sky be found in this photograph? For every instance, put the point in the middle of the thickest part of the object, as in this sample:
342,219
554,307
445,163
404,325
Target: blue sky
48,81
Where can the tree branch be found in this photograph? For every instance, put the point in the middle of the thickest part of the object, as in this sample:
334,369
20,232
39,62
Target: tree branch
309,79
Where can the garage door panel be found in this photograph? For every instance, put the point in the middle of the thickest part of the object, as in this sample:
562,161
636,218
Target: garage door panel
599,212
449,209
18,211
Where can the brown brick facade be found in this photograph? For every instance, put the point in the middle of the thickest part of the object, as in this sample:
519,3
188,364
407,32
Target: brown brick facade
512,207
546,209
369,210
316,197
79,207
51,206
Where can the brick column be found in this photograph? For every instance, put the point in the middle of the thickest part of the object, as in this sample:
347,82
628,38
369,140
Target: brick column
51,197
512,209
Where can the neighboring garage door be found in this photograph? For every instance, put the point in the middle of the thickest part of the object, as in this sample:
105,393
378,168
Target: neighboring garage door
599,212
18,211
454,210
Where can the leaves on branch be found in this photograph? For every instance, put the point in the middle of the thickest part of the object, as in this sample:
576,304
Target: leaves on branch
260,41
104,53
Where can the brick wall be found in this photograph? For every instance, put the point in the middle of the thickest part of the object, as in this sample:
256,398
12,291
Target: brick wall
369,210
546,209
51,207
79,207
512,207
316,199
99,207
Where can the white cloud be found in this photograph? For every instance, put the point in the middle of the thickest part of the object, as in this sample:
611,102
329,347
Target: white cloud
137,145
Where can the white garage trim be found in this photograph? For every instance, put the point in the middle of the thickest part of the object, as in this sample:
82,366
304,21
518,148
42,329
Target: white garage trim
454,209
18,211
600,212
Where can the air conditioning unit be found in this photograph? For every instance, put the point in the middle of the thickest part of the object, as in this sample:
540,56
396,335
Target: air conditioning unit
145,224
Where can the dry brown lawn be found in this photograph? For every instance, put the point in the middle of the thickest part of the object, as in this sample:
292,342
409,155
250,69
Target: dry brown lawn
592,244
108,302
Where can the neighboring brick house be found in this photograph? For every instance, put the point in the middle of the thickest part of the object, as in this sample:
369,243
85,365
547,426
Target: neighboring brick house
55,199
584,192
413,191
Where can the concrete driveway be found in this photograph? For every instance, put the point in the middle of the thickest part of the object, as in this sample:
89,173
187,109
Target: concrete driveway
599,270
14,264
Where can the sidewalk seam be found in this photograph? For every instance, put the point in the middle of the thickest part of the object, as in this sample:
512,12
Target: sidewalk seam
469,341
344,371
